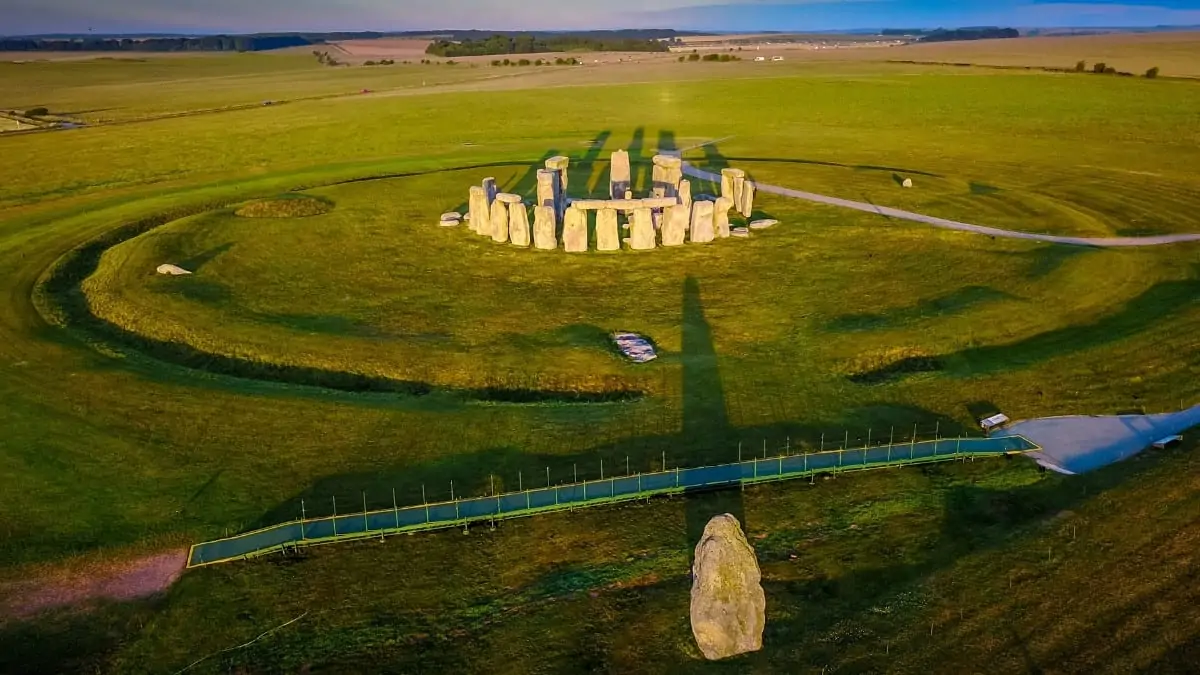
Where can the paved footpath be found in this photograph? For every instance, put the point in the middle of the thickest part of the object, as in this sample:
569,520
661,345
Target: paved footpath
1099,242
1082,443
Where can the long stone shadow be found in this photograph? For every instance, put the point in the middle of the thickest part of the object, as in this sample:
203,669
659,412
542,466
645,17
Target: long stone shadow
949,303
1157,304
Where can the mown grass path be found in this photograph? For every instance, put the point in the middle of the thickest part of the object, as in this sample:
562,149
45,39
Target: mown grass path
887,212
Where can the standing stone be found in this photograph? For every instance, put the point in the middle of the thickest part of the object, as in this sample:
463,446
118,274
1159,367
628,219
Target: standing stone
481,217
575,230
499,221
607,232
727,176
544,223
675,225
559,164
728,608
746,204
549,193
518,224
668,171
685,193
489,186
721,216
739,186
619,175
702,222
641,234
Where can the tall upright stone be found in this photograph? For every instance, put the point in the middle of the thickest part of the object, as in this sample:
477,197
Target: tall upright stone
608,237
668,171
675,224
499,220
489,186
575,230
619,176
685,193
481,217
518,224
560,164
721,216
641,231
727,183
746,204
739,185
728,606
544,223
548,192
702,222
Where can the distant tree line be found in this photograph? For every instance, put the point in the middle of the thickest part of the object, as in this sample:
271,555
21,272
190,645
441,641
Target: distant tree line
534,44
988,33
208,43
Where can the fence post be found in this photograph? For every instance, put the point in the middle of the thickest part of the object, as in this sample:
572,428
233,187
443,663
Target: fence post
787,447
676,475
547,476
822,442
303,517
395,508
601,468
424,502
335,515
912,448
627,471
366,527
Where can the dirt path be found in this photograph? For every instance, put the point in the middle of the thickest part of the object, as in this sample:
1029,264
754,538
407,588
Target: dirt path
80,585
1100,242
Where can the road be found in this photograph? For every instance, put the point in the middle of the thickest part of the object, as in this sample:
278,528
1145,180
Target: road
1098,242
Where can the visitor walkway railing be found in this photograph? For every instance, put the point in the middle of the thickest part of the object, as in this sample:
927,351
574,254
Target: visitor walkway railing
462,512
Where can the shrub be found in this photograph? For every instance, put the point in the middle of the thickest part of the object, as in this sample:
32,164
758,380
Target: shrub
507,62
538,62
368,63
1080,66
452,62
1109,70
693,57
495,62
37,112
682,59
523,62
1152,73
711,57
1099,68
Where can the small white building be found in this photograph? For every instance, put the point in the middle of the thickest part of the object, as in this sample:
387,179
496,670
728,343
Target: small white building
994,422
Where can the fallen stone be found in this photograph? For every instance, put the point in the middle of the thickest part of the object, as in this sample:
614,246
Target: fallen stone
608,236
728,606
619,175
763,224
906,183
575,230
721,216
675,225
544,224
642,231
739,232
702,222
172,270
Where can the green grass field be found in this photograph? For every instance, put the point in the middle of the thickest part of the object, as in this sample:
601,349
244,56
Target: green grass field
143,412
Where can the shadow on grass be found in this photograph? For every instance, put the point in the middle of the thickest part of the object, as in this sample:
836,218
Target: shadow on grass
1158,304
950,303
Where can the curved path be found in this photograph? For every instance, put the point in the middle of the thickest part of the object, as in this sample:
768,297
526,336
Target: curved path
1101,242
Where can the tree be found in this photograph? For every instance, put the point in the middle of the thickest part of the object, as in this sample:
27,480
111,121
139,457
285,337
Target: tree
1099,68
1152,73
1080,66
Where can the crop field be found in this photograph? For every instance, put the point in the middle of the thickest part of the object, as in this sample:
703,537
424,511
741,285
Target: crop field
335,343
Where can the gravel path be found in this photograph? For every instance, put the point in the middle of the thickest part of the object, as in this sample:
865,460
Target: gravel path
1082,443
122,581
1101,242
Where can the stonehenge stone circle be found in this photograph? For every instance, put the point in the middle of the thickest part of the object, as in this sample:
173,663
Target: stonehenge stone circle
575,230
702,222
608,236
728,606
544,223
746,199
721,216
499,220
619,176
481,217
641,234
675,225
669,215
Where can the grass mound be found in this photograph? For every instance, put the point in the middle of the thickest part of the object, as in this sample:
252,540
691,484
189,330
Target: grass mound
286,206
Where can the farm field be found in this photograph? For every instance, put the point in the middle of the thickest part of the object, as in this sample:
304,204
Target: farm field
144,413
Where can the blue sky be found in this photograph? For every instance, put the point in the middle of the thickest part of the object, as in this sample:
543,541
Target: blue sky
45,16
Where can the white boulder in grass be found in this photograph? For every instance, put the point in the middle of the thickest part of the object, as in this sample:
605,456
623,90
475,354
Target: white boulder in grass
172,270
